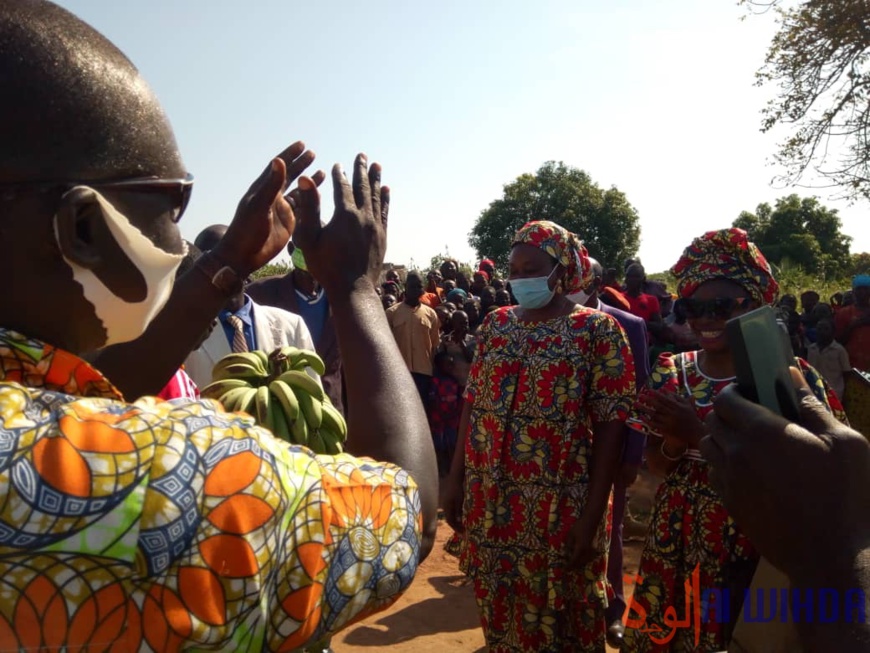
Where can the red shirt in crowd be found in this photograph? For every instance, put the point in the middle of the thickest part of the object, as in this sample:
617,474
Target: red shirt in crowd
644,305
858,345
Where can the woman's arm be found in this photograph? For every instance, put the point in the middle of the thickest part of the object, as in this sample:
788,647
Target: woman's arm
676,428
453,494
656,461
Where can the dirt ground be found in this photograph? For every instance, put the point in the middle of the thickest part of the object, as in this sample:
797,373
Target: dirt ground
438,614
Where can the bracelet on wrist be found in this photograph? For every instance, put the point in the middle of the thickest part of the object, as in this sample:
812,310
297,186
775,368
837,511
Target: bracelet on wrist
668,456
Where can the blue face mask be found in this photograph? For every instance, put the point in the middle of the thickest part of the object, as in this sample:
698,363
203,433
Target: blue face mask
533,293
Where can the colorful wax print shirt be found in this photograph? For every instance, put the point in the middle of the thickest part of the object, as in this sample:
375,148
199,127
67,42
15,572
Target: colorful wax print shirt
159,526
538,389
690,526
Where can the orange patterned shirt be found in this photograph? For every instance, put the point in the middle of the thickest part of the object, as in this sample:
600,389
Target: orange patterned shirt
158,526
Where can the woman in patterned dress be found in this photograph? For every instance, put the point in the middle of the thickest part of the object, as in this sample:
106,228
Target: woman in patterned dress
720,275
541,432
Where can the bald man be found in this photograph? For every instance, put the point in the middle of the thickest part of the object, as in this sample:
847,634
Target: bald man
154,526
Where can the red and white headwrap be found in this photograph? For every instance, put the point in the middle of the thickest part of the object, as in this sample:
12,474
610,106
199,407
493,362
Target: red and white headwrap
563,246
726,254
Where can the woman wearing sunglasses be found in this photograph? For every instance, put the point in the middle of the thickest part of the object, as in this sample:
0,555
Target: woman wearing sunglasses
719,276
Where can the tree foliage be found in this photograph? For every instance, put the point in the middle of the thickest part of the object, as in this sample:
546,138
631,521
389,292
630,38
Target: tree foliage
860,264
270,270
800,231
435,263
604,219
818,60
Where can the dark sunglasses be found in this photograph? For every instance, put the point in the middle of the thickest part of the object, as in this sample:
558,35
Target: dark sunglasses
719,308
177,190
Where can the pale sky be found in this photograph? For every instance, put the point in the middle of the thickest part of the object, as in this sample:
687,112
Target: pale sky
456,99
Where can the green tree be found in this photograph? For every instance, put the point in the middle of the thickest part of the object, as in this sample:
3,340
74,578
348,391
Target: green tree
800,231
860,264
604,219
271,269
819,60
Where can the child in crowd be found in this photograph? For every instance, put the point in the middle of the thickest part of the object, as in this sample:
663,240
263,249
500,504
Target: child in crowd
444,409
503,297
829,357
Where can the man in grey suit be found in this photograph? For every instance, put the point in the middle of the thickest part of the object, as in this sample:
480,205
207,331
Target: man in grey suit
243,325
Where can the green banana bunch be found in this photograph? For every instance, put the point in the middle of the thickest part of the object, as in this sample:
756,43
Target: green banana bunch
279,394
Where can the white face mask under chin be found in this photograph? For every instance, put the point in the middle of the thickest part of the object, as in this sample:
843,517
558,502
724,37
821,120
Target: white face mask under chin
579,298
122,320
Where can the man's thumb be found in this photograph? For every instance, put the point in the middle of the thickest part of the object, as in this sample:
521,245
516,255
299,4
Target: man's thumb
814,415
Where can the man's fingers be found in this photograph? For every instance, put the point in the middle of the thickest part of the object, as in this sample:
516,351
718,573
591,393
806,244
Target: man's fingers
298,166
798,379
307,212
266,189
814,415
293,196
362,193
289,156
291,151
385,206
736,411
375,190
342,195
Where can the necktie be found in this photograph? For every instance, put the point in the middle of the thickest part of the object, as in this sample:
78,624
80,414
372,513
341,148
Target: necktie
239,342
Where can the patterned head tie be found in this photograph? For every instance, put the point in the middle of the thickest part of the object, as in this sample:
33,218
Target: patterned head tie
726,254
563,246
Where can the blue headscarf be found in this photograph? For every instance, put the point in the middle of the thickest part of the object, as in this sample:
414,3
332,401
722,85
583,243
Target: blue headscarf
457,292
861,281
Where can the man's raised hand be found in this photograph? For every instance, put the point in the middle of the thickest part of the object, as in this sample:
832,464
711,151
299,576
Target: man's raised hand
351,247
264,220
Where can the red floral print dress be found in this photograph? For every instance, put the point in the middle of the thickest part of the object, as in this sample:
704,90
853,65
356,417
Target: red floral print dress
690,527
537,391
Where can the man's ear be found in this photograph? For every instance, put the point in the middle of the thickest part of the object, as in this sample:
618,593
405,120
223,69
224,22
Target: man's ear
77,222
85,240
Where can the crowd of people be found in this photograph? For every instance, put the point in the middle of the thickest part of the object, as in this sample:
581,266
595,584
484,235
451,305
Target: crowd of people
136,516
512,405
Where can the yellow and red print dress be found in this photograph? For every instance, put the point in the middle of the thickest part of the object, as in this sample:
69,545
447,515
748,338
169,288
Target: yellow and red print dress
690,527
157,526
538,389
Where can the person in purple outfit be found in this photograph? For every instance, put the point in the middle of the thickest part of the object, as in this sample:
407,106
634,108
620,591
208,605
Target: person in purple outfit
632,455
